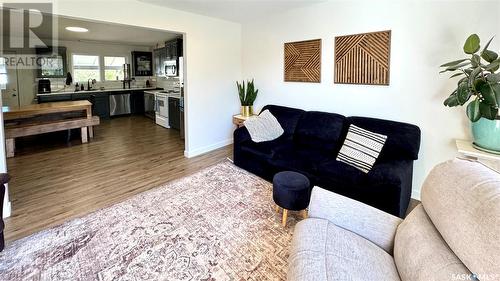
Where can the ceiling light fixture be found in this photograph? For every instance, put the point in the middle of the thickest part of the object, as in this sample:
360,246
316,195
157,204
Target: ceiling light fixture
76,29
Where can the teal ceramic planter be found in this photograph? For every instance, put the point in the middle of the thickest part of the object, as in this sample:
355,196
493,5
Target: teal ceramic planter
486,134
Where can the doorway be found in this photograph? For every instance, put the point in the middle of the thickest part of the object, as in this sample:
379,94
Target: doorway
56,176
9,83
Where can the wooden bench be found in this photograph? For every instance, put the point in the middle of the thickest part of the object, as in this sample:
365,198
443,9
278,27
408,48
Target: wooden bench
29,129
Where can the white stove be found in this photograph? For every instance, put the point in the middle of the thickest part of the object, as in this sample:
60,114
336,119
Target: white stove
161,106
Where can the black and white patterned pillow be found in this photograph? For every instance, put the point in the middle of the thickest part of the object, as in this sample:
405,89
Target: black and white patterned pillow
361,148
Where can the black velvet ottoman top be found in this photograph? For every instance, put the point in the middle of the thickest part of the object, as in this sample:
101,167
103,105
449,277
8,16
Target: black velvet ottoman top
291,190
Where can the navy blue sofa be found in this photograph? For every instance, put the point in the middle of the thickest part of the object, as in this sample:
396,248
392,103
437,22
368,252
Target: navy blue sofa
310,144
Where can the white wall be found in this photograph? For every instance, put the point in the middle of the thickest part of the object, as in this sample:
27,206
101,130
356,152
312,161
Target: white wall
3,165
213,62
425,34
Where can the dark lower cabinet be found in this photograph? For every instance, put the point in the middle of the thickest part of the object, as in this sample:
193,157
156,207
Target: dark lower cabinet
54,98
100,101
81,96
174,113
100,105
137,102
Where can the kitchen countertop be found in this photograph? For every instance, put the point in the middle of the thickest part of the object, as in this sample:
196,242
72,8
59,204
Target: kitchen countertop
168,93
96,90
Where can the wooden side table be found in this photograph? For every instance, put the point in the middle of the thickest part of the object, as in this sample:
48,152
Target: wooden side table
239,119
466,150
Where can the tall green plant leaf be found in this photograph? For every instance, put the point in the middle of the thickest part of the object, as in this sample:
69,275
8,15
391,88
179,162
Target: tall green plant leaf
493,78
457,74
488,44
241,92
463,93
471,44
496,89
475,60
473,75
489,56
488,111
492,66
453,63
473,111
487,93
452,100
455,67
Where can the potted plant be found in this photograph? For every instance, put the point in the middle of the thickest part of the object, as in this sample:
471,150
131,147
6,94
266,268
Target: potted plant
247,97
480,84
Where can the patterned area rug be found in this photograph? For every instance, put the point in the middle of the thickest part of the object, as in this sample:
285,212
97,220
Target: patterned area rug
218,224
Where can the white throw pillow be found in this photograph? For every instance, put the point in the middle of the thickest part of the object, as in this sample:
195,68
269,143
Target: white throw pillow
361,148
264,127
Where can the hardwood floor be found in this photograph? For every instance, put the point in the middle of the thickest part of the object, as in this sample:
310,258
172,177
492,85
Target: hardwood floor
54,181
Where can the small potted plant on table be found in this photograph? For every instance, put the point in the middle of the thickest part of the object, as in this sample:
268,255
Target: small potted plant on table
247,95
479,81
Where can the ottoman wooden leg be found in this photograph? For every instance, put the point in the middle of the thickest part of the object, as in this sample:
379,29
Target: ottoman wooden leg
285,215
10,147
304,213
277,208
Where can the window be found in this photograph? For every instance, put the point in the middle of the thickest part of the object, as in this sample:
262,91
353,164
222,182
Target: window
113,68
3,74
85,68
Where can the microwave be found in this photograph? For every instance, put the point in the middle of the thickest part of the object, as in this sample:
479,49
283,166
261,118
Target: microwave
171,68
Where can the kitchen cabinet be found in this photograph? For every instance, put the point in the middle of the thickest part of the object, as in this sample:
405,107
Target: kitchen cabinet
174,113
81,96
54,62
54,98
142,63
99,100
100,105
159,58
173,49
137,102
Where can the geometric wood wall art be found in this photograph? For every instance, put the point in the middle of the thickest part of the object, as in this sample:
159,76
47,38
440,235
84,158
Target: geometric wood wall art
303,61
363,58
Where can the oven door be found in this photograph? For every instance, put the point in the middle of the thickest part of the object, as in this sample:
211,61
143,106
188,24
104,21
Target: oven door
162,106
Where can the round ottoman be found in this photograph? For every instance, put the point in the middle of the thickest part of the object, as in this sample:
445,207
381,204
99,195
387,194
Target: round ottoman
291,191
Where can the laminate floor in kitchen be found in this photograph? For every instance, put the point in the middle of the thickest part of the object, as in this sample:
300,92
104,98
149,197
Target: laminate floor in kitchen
54,180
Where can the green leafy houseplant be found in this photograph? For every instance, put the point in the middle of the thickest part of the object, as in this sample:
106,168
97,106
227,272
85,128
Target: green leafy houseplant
247,98
478,81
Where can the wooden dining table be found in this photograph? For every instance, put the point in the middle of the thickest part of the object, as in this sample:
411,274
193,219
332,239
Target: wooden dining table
41,118
27,111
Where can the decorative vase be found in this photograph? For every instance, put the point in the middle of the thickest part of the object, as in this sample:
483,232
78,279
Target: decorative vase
246,110
486,134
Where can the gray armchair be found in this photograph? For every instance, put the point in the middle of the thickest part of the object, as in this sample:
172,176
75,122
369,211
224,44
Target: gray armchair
453,234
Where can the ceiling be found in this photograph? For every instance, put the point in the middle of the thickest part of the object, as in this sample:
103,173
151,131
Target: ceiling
234,10
102,32
111,32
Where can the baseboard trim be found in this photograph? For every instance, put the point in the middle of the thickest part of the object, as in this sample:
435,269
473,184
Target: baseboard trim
7,209
416,195
205,149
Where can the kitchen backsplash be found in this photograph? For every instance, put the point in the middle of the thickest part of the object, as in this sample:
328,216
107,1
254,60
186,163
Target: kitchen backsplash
171,83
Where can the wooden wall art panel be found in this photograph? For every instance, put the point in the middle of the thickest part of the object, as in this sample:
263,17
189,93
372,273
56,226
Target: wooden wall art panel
363,58
303,61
